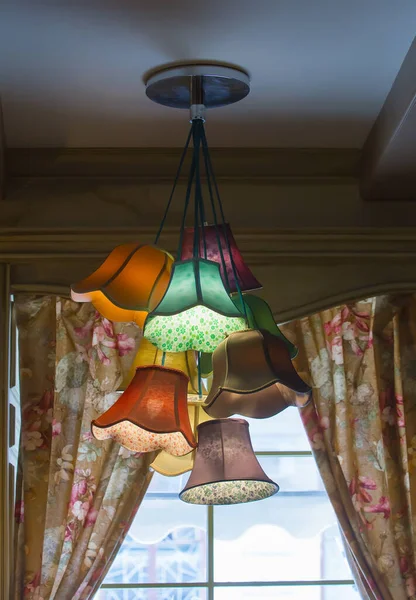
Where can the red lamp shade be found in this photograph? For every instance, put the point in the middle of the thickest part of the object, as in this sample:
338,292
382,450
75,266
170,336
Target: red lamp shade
152,414
246,279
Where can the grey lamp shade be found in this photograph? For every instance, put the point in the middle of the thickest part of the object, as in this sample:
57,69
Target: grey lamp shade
253,376
226,470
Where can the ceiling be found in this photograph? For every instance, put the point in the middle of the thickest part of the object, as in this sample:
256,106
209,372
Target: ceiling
71,70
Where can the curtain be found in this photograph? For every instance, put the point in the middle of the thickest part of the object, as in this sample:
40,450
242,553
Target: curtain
361,361
78,496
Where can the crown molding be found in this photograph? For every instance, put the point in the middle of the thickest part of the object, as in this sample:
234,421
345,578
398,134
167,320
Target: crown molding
258,246
158,164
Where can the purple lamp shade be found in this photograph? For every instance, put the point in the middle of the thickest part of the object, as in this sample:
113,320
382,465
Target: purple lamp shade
246,279
226,470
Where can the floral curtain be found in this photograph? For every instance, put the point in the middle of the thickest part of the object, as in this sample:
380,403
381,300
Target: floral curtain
77,496
361,361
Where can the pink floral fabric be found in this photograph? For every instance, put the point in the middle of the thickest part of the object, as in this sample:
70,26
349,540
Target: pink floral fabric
78,496
361,361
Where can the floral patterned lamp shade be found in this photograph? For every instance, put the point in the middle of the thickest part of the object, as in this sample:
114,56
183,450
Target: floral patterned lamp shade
129,283
169,465
216,237
148,354
254,376
226,470
196,313
152,413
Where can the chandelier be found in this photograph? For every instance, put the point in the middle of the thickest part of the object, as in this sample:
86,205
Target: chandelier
210,349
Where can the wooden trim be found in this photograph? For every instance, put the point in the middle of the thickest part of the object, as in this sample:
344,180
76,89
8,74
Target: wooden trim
2,155
257,246
5,516
159,164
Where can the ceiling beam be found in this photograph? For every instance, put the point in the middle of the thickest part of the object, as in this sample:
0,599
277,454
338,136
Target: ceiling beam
158,164
388,167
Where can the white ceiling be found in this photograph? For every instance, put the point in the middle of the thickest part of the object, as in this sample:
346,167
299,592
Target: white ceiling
71,70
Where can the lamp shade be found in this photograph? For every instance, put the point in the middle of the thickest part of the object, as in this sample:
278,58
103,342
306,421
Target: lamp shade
130,282
216,238
169,465
148,354
226,470
196,312
254,376
259,316
152,413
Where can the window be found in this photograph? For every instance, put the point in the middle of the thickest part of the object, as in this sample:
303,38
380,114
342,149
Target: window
287,547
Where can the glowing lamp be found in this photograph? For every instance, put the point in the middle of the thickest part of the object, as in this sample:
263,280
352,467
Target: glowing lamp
196,313
148,354
151,414
130,283
169,465
226,470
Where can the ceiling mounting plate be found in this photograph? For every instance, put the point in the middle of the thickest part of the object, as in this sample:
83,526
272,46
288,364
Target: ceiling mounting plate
221,84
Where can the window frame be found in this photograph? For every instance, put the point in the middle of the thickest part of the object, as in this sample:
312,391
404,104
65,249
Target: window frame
210,584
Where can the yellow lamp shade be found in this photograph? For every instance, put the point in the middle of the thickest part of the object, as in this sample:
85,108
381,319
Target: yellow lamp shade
148,354
169,465
131,282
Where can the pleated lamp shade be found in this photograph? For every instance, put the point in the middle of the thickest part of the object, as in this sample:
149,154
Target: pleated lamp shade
169,465
216,238
254,376
196,312
259,316
148,354
226,470
152,414
130,283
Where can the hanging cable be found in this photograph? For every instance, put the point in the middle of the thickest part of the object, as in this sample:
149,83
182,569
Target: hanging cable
178,172
205,153
227,241
187,198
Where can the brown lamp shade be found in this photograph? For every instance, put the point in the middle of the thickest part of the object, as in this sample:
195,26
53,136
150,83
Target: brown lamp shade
246,279
130,283
171,466
254,376
226,470
152,413
148,354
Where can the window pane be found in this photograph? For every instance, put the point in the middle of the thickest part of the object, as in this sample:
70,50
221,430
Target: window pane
293,474
307,592
153,594
167,540
291,537
285,431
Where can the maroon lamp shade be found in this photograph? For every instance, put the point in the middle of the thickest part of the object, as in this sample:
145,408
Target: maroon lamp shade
253,376
246,279
226,470
151,414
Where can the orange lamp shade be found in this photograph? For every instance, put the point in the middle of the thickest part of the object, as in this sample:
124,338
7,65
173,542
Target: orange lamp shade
131,282
253,376
152,414
148,354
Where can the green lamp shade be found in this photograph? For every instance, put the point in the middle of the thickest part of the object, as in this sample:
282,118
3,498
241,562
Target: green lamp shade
259,316
196,312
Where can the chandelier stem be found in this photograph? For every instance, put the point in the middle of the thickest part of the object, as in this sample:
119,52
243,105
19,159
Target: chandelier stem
187,198
197,105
